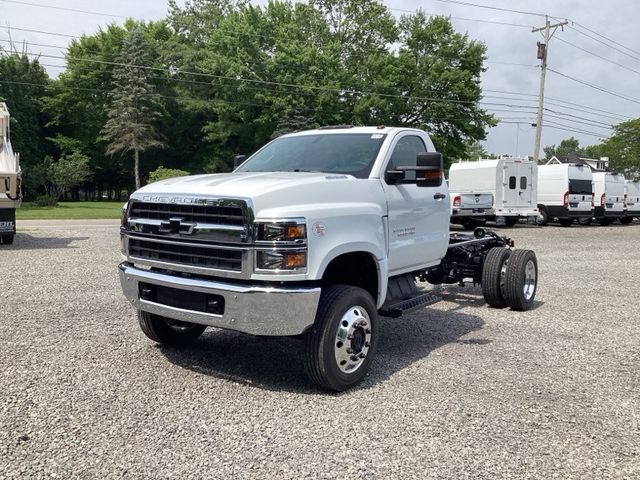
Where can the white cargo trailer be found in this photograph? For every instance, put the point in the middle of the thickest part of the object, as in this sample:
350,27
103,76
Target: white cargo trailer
565,193
10,193
632,201
503,190
608,188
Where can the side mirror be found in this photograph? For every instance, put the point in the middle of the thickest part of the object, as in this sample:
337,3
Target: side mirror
429,169
393,177
238,160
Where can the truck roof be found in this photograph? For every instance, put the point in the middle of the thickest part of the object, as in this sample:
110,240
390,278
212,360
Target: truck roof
346,129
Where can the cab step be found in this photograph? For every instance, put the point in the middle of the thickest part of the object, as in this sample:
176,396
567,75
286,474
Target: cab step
397,309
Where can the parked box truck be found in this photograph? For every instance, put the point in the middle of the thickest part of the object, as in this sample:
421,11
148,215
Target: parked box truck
10,194
503,190
565,193
608,188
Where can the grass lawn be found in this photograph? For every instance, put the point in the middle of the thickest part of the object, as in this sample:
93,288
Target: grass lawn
70,210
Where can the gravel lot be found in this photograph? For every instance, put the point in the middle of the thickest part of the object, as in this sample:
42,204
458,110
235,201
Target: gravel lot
458,390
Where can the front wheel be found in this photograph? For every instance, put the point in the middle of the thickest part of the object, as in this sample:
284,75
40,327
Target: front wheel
167,331
521,279
340,346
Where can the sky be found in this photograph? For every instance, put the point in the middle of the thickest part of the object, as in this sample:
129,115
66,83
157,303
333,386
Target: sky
570,53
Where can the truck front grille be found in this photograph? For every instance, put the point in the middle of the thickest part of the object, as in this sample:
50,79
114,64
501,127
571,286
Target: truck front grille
195,256
208,214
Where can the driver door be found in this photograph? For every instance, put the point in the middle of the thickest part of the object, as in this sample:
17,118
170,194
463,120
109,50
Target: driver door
418,217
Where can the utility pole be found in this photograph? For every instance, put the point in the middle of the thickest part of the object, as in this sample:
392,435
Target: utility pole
543,50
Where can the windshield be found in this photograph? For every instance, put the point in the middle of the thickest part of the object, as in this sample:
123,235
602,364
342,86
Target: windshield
351,154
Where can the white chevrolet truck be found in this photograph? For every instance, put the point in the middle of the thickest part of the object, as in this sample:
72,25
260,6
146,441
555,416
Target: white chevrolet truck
316,235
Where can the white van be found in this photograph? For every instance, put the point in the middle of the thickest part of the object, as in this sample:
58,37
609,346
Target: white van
632,201
565,192
608,188
502,190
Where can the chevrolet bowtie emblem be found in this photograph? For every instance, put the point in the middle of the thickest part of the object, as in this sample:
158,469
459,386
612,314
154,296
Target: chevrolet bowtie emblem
176,225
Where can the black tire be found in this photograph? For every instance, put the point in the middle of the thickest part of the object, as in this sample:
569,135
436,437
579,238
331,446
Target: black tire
472,223
566,222
492,276
511,221
543,217
166,331
322,342
585,221
605,222
519,287
6,239
626,220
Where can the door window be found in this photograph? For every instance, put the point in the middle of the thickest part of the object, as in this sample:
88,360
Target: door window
405,153
523,183
512,183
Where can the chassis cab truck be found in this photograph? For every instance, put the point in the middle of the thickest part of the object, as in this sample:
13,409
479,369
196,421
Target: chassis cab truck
565,193
632,201
10,192
609,191
316,236
503,190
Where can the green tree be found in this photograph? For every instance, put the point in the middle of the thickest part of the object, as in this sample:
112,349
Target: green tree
568,146
134,104
70,172
23,85
623,148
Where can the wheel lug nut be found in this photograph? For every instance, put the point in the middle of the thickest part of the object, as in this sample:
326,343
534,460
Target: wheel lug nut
367,331
362,355
354,358
349,350
367,344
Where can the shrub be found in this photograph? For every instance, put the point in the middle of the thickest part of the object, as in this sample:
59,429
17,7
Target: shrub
162,173
46,201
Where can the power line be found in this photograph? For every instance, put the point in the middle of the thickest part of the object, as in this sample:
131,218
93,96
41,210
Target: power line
52,7
596,87
599,56
604,43
606,38
489,7
568,128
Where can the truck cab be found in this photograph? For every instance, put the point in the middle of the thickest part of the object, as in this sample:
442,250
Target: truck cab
314,235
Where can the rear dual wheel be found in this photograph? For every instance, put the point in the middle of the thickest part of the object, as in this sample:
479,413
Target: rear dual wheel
510,278
626,220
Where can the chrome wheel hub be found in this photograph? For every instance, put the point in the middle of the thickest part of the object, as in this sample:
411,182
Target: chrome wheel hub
530,277
353,339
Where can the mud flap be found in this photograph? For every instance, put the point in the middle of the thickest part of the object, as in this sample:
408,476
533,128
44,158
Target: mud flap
7,221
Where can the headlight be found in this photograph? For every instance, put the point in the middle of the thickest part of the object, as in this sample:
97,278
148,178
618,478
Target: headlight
123,216
286,231
281,246
274,260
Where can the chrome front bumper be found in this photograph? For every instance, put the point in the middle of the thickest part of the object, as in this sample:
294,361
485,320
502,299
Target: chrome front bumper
257,310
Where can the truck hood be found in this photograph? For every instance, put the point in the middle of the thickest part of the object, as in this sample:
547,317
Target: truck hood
271,193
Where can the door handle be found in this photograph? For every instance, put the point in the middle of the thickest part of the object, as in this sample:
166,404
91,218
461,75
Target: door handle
439,196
